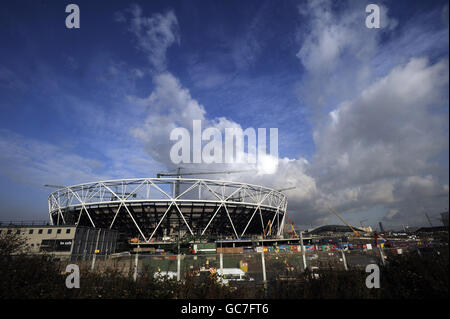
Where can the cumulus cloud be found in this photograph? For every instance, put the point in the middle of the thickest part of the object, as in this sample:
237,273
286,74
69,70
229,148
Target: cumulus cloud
388,130
380,114
381,147
336,52
153,35
169,106
380,138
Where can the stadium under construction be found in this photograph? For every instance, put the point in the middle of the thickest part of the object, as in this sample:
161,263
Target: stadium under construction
158,212
151,210
175,214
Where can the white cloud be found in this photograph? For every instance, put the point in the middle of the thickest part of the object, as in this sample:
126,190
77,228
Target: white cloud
154,34
377,141
388,130
372,148
391,214
171,105
336,52
34,162
168,106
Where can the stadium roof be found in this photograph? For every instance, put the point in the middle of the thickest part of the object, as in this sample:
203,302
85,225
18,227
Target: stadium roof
332,228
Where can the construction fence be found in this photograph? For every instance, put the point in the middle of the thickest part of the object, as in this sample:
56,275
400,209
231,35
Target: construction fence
257,267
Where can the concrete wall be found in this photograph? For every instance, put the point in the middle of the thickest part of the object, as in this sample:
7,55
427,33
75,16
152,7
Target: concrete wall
35,235
65,240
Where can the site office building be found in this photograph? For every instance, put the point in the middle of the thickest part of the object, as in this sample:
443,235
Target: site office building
65,241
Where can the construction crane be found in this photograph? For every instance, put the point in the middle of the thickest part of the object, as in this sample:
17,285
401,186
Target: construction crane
286,189
357,234
278,190
54,186
178,174
292,227
268,229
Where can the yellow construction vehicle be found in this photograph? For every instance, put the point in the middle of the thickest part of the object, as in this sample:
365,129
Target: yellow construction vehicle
292,233
268,229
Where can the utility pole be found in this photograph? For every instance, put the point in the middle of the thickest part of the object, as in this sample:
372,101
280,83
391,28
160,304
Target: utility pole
93,262
178,261
221,264
136,260
178,267
263,267
381,255
95,250
303,250
344,260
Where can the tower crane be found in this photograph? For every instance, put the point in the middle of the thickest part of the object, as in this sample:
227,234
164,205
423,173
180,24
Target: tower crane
54,186
286,189
278,190
179,174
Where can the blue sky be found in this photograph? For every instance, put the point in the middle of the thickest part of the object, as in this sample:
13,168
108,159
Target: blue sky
73,101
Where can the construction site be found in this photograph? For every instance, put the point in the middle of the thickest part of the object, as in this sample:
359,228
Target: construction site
173,226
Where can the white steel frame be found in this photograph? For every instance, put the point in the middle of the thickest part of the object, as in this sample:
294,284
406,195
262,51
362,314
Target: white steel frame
124,192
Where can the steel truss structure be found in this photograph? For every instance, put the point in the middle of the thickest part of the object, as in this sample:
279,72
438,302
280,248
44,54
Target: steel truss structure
151,208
